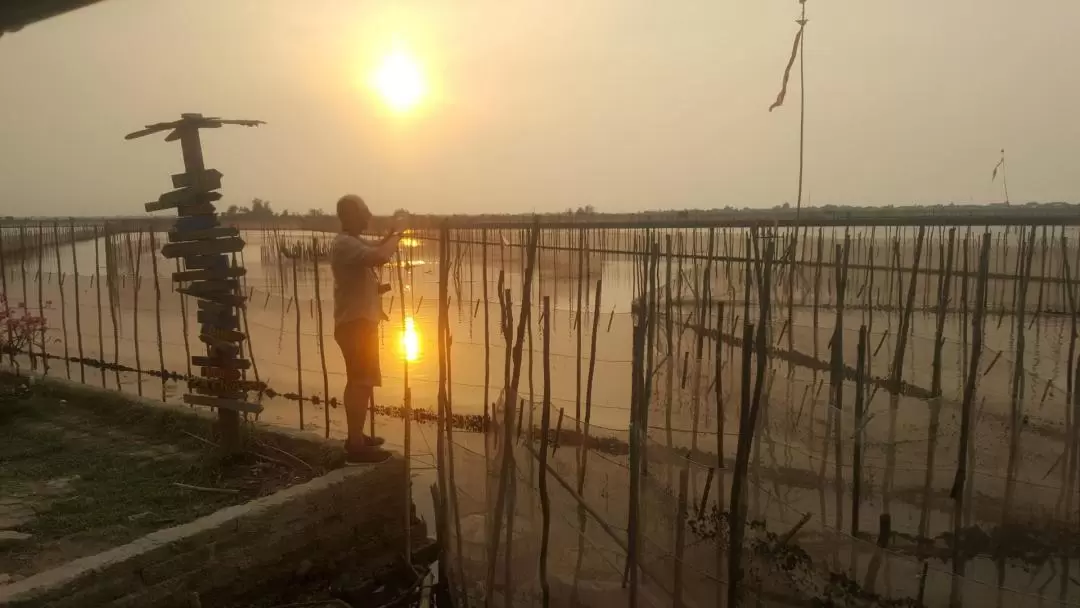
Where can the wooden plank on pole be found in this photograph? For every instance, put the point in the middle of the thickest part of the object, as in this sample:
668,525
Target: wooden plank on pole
216,246
180,236
207,179
184,198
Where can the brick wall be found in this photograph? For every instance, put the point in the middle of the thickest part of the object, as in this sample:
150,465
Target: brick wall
346,514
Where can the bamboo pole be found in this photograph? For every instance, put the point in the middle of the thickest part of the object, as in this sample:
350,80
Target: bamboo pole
702,313
157,310
637,401
25,291
136,284
78,308
41,300
407,407
299,360
63,300
584,449
837,376
4,291
578,330
545,425
111,271
487,366
1016,402
322,344
945,260
859,434
959,481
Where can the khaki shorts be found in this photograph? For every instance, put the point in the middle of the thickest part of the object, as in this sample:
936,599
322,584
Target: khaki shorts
359,342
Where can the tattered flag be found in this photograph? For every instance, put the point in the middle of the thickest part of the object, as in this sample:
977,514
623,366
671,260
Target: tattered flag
787,70
993,175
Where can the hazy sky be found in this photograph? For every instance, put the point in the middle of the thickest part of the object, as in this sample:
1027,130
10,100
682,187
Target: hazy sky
620,104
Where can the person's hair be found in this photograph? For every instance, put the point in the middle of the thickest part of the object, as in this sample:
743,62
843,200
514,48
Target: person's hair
350,199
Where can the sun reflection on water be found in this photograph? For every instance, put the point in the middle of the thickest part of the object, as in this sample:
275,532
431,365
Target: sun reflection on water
410,341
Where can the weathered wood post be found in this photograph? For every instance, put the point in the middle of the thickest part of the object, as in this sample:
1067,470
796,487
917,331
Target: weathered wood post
203,243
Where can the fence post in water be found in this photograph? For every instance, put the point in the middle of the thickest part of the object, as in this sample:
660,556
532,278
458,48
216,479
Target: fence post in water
41,300
669,363
25,293
837,376
299,360
97,286
322,340
407,406
135,257
1018,381
157,310
184,324
584,449
63,302
897,372
856,461
545,425
78,308
737,507
487,364
4,290
944,287
957,492
111,274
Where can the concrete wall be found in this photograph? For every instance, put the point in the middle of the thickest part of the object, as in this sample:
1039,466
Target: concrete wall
347,514
345,517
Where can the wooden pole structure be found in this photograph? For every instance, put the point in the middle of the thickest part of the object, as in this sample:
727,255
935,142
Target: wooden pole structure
184,323
97,285
545,426
957,493
198,238
114,297
322,341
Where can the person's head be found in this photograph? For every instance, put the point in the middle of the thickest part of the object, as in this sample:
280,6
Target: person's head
353,213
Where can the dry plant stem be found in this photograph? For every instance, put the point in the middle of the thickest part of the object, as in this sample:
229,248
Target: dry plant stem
959,481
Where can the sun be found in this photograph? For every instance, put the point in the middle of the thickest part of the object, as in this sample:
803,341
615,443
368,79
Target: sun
400,81
410,341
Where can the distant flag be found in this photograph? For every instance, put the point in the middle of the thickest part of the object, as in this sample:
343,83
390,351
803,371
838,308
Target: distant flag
1001,162
787,70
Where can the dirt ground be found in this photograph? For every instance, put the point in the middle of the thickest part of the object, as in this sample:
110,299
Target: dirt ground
78,480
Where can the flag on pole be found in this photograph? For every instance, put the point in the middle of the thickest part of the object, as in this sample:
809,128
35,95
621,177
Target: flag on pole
993,175
787,70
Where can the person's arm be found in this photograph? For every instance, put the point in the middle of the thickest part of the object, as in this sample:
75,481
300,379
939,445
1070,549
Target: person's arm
357,251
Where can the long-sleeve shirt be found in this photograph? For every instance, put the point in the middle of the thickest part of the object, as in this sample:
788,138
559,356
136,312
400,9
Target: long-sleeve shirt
354,262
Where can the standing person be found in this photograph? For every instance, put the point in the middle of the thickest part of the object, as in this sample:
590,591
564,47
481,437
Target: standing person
355,263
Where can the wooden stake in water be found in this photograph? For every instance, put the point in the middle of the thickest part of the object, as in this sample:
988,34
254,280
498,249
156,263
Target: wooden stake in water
1018,381
25,292
680,538
299,361
545,426
856,460
63,302
837,376
78,308
157,310
959,481
584,449
136,283
4,291
322,343
407,407
41,300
